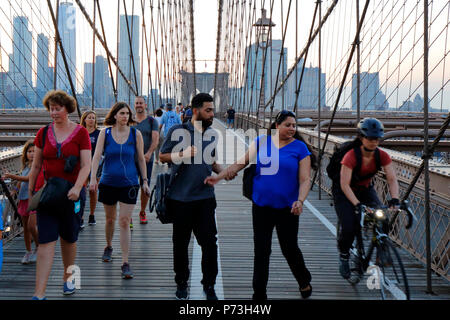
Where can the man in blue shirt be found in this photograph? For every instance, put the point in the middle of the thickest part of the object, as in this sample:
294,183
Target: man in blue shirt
191,149
169,119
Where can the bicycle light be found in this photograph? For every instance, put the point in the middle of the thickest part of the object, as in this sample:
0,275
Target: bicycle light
379,214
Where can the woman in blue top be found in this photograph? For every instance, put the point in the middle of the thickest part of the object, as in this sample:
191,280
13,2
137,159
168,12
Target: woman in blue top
89,121
119,181
280,186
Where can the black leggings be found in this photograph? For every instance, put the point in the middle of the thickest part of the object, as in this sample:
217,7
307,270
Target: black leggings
348,220
286,224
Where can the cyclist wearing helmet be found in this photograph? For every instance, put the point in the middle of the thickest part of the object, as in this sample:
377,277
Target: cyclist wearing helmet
355,189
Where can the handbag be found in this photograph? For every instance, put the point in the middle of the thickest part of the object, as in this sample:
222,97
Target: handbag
34,202
54,195
247,179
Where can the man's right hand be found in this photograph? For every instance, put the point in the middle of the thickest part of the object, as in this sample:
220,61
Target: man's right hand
190,152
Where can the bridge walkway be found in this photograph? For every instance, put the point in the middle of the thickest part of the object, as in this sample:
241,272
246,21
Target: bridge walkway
151,258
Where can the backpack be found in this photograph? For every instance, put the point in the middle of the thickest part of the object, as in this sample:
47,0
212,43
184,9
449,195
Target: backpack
334,166
187,115
159,193
172,120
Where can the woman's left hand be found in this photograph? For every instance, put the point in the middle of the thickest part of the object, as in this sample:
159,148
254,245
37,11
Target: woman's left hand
74,193
146,189
297,208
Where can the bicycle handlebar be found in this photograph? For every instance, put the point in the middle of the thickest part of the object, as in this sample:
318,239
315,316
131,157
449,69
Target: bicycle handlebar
404,206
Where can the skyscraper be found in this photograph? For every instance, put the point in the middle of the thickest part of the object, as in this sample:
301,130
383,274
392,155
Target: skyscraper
44,79
67,31
309,90
20,62
127,54
255,56
102,82
371,98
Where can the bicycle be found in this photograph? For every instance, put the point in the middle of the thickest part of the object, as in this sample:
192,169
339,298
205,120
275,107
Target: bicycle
386,271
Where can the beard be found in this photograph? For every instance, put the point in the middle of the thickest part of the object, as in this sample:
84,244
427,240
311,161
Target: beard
206,123
368,150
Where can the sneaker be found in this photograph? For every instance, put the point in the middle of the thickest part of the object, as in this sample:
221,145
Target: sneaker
26,257
68,288
210,293
82,224
344,267
126,271
33,256
37,298
92,220
107,254
182,292
131,224
143,217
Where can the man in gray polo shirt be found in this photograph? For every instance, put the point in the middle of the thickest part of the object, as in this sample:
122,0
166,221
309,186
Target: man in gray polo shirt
191,149
149,128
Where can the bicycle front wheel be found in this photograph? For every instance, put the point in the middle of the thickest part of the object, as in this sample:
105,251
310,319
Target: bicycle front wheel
392,275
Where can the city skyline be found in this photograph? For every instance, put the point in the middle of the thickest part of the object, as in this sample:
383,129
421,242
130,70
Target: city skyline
396,96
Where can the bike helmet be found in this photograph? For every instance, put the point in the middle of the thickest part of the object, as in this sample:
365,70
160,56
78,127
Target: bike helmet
371,128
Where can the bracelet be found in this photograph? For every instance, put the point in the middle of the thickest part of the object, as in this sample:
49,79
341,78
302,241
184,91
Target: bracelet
300,201
145,179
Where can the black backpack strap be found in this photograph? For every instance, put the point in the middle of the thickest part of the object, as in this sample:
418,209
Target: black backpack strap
355,175
377,159
44,135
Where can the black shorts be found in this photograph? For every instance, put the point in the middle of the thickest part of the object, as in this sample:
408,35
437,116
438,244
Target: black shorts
110,195
64,223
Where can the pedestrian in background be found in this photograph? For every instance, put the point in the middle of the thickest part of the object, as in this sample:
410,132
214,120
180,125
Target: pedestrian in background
89,121
28,217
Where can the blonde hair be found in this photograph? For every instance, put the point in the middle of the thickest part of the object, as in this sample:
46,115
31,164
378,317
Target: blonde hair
26,147
85,115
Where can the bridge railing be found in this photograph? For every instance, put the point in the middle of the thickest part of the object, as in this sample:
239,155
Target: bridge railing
10,161
412,240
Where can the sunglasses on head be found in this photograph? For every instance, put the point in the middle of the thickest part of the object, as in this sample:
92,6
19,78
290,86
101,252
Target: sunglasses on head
284,114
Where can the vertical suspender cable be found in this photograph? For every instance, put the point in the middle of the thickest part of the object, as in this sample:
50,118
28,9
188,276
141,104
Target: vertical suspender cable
319,92
358,68
93,60
108,57
426,152
66,65
56,48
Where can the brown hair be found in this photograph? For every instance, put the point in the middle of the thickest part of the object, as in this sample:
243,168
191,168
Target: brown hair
110,120
84,116
28,145
60,97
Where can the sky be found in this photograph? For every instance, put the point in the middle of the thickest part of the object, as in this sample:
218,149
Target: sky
386,19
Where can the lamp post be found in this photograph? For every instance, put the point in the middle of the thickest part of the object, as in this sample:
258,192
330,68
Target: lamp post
263,35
